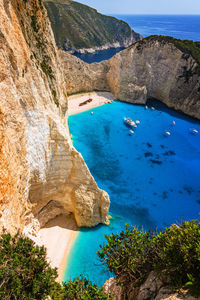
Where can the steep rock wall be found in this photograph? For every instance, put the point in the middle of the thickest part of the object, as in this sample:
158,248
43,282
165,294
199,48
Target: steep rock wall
83,77
42,175
151,68
154,68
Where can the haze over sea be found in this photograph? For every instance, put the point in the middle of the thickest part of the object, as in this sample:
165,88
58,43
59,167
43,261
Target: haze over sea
152,178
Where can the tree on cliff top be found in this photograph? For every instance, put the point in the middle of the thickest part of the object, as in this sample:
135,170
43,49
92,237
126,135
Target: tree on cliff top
24,271
26,274
173,253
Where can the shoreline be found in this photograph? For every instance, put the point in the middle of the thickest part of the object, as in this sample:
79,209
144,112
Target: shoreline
58,237
81,102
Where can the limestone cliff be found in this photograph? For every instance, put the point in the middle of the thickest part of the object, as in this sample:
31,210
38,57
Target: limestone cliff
83,77
80,28
156,67
42,175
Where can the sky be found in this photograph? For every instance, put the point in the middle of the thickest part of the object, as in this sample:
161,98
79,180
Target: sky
145,6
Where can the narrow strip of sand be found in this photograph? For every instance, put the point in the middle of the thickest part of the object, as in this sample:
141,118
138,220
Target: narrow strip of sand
58,237
84,101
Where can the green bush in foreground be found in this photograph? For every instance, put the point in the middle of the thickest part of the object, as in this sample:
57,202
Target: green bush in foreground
173,253
81,288
24,271
25,274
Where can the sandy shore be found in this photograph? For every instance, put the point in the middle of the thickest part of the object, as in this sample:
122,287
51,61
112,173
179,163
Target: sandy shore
58,237
88,101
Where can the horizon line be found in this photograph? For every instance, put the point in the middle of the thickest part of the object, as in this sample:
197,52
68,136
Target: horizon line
146,14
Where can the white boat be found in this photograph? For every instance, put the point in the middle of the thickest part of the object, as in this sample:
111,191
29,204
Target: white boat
130,123
137,122
167,132
193,131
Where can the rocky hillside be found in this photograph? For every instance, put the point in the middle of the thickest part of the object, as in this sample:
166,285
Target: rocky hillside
42,175
157,67
80,28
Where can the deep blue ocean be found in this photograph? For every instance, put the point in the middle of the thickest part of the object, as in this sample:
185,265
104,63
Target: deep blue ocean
178,26
152,178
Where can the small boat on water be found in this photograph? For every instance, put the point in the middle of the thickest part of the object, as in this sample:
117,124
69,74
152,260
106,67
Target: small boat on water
193,131
130,123
137,122
167,132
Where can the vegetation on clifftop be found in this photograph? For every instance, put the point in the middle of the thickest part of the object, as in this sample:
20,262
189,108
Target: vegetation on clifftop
186,46
173,253
25,274
77,26
131,255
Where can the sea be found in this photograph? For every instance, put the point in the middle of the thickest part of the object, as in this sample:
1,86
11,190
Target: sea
152,178
177,26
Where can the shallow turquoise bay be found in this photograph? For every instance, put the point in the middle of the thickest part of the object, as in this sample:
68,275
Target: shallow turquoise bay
152,179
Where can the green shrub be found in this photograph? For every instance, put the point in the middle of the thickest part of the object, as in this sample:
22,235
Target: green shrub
46,68
128,255
177,255
173,253
26,275
24,271
83,289
34,23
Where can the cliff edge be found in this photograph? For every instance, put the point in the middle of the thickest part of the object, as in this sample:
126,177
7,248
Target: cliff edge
157,67
42,175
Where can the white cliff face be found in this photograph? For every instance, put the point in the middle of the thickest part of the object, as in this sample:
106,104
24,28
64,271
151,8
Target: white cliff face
42,175
82,77
150,68
156,69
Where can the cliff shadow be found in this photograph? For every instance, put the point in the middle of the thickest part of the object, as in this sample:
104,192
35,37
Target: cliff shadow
63,221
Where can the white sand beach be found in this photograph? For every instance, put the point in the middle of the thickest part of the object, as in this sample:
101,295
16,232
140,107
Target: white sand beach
58,236
81,102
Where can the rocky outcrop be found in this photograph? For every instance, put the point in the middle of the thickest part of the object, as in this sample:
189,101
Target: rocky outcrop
42,175
80,28
152,289
156,67
83,77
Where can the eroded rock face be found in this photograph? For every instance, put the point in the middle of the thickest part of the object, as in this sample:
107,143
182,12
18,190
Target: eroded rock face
152,289
83,77
42,175
150,68
156,69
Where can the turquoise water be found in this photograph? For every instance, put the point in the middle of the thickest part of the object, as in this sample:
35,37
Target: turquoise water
152,179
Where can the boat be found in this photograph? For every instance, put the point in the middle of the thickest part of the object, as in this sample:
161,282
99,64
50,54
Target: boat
137,122
167,132
130,123
193,131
